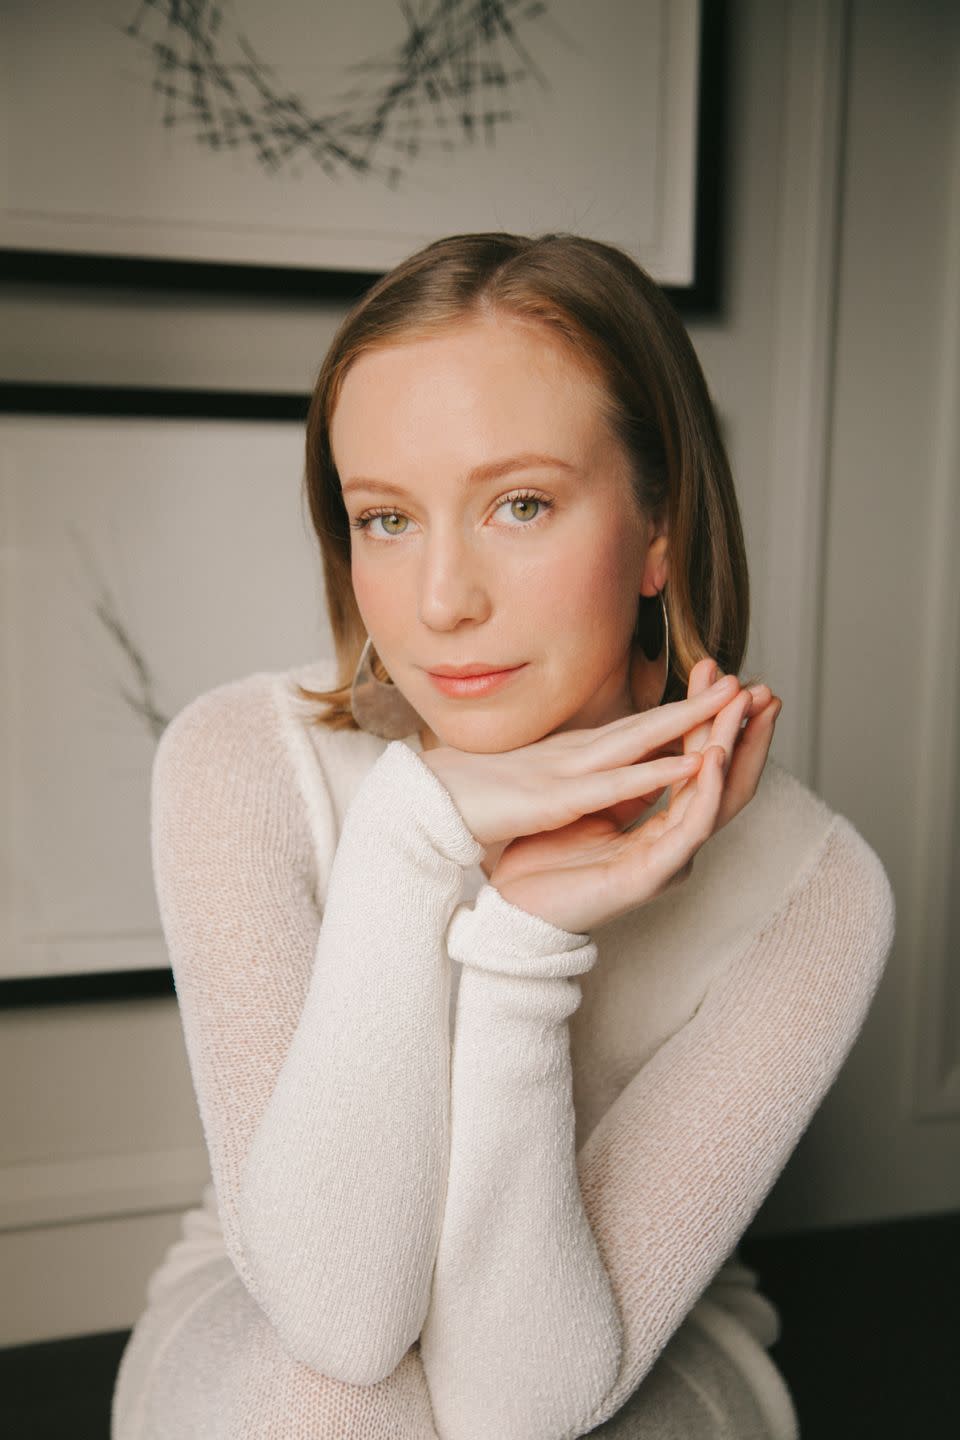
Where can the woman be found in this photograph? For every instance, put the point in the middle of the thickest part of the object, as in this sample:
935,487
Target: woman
481,1169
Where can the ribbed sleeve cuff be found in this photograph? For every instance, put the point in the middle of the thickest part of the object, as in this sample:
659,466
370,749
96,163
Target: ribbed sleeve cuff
498,936
410,796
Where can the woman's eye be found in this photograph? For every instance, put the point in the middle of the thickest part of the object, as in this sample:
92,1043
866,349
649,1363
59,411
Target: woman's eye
526,502
363,522
530,509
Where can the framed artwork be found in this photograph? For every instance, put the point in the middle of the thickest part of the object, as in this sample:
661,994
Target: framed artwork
304,147
129,543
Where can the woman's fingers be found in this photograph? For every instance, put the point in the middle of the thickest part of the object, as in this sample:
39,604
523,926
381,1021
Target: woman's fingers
604,789
749,758
701,677
725,730
611,773
671,850
703,674
616,743
657,729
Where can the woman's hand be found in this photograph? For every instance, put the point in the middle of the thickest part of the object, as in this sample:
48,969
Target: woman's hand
751,744
745,766
590,871
575,773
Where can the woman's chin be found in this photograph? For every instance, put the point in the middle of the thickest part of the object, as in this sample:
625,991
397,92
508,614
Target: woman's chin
485,734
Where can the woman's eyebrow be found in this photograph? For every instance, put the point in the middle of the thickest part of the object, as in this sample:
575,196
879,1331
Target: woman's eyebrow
492,470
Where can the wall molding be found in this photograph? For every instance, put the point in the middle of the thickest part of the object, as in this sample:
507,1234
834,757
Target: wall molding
933,1038
803,358
100,1187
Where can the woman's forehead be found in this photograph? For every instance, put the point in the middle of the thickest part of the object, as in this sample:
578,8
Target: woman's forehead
502,394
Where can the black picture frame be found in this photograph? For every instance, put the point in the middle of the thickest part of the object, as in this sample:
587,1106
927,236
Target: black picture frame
127,402
704,297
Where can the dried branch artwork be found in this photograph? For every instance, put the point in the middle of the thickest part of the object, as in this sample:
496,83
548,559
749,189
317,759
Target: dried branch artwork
449,83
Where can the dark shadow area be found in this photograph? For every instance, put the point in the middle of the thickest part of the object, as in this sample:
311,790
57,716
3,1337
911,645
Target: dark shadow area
871,1336
60,1389
871,1326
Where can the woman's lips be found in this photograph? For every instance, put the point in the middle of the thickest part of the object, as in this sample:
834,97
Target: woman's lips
466,686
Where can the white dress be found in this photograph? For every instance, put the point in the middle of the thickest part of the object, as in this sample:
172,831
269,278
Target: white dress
471,1174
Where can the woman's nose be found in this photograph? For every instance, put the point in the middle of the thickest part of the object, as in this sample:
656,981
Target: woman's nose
452,586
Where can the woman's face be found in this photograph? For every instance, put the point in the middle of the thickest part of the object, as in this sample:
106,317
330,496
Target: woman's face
453,571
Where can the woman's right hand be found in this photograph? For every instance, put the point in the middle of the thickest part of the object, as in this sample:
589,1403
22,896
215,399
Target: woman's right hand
572,773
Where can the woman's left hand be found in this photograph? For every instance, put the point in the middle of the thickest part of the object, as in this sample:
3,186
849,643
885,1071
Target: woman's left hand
744,762
591,871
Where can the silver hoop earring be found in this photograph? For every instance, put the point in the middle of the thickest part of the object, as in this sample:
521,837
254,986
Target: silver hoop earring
664,646
379,708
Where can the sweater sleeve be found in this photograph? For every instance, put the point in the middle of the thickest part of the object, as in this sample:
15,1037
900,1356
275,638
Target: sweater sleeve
318,1044
522,1338
679,1165
559,1282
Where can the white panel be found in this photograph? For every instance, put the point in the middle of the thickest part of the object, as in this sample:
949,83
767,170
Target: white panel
146,561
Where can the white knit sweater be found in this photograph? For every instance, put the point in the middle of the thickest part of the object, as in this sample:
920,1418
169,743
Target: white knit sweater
519,1187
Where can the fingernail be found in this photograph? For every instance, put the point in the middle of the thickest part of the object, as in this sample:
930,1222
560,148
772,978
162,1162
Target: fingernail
712,673
729,682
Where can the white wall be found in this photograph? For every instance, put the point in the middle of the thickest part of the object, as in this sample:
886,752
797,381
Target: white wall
886,1142
97,1084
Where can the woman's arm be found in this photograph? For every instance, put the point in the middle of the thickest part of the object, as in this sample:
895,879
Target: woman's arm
677,1168
523,1338
318,1046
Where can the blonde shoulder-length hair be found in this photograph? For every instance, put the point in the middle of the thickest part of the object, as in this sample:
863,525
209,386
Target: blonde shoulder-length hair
622,329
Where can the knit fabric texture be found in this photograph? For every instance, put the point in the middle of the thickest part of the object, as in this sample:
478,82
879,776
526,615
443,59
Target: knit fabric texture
487,1220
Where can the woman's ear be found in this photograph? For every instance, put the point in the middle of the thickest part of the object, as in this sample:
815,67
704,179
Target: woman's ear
656,565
